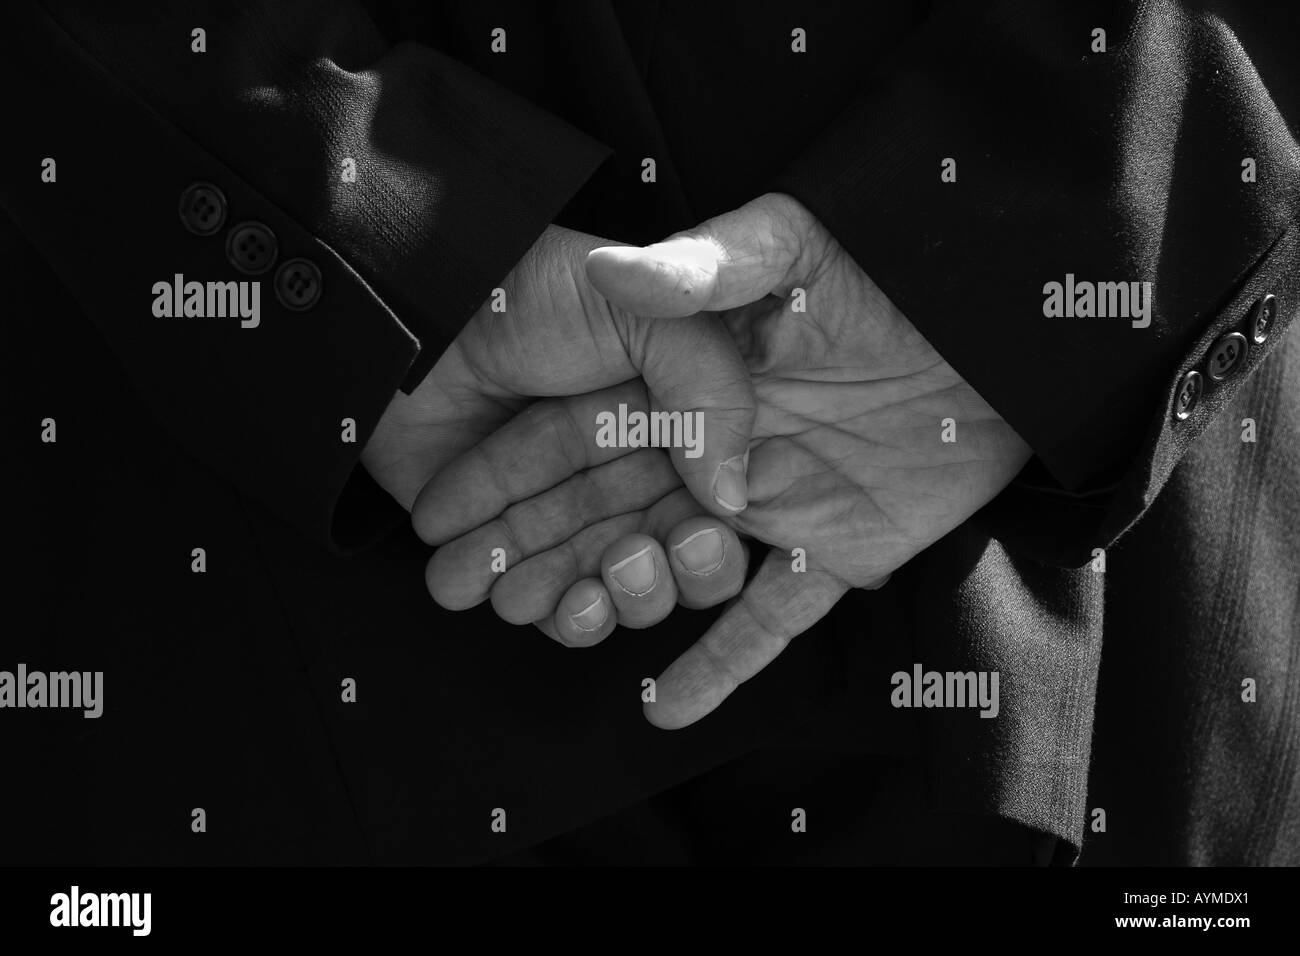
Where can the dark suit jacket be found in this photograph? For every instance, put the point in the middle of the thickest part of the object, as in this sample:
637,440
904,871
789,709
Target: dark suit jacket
223,688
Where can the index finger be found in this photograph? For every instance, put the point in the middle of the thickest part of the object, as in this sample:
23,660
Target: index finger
543,445
776,607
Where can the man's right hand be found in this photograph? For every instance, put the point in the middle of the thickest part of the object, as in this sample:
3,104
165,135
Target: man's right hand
868,447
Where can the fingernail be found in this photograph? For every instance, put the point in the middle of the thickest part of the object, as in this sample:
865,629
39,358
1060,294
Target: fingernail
636,574
702,552
592,616
729,484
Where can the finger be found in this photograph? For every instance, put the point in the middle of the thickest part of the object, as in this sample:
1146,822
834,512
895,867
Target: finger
708,562
728,261
543,445
777,606
584,616
462,572
636,575
702,391
531,590
732,260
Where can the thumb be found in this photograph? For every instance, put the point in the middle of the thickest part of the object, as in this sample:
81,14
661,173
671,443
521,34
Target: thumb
692,366
729,261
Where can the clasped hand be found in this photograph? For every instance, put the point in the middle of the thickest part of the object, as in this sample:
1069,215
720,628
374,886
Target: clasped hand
822,410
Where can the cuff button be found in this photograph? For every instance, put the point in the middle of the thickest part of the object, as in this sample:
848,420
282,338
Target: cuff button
298,284
1265,313
203,209
1189,393
251,248
1227,355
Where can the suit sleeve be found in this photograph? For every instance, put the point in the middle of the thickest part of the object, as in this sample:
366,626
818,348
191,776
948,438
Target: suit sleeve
1010,146
270,107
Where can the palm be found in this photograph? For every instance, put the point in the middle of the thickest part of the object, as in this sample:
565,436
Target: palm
848,460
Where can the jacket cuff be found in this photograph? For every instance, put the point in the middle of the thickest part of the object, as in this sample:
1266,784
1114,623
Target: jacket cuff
265,405
1119,194
281,408
1037,517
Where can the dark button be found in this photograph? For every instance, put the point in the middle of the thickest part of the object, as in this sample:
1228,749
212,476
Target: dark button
250,247
1265,313
1227,355
203,209
1189,393
298,284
